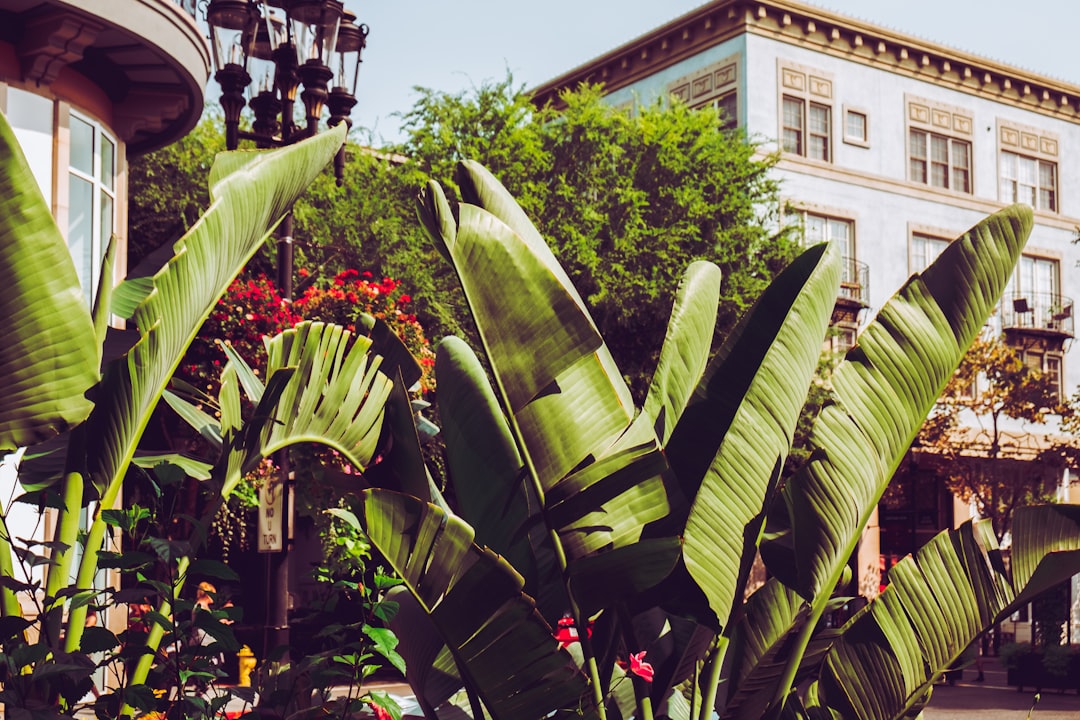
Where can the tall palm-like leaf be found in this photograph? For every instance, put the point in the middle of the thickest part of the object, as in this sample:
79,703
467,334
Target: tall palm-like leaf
882,393
247,203
488,475
596,470
503,648
334,396
937,603
731,442
48,358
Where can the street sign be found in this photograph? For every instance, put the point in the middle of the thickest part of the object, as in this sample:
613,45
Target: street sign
271,516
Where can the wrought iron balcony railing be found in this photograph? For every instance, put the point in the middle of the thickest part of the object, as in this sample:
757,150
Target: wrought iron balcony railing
1041,312
855,281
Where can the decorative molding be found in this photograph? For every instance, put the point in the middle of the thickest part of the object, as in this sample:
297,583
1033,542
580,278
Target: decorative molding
707,83
918,191
938,117
51,41
1027,140
825,32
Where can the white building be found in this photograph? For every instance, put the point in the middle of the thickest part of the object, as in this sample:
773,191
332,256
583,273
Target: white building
892,146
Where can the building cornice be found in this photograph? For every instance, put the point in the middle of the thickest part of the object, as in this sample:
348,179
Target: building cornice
824,32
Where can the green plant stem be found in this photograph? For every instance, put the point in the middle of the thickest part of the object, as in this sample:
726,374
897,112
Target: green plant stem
155,634
9,603
59,569
716,664
695,696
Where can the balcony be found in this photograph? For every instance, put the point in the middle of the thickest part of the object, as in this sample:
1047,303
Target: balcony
139,65
1044,314
854,292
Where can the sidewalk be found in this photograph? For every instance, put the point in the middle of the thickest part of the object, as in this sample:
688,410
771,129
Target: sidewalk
995,699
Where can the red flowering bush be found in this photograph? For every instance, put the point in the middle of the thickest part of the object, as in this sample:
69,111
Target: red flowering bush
252,309
249,310
351,292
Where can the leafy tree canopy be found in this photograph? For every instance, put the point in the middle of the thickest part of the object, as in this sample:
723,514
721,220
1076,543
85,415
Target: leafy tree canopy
984,459
627,201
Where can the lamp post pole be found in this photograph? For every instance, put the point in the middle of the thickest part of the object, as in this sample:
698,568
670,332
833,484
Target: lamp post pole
283,45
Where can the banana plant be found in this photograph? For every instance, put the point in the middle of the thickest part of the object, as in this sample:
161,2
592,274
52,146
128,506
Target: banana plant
646,519
52,358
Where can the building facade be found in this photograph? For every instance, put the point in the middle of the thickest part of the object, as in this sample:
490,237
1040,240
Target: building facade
891,146
86,86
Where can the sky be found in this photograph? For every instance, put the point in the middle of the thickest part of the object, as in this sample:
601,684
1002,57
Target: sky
452,46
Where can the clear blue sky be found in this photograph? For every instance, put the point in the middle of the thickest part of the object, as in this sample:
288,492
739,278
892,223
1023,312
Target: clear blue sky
452,44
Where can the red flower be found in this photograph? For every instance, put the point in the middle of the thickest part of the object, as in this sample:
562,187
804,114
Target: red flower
639,667
404,299
380,712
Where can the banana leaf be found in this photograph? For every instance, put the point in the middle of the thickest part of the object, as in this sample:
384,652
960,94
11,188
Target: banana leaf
937,603
48,359
731,442
881,394
594,465
250,192
504,651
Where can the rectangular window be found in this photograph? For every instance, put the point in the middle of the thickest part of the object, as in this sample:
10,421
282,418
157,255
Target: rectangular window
91,198
939,161
1048,364
807,128
1028,180
728,105
1033,297
820,122
793,125
855,127
924,250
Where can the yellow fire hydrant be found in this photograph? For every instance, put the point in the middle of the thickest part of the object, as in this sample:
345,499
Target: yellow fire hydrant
246,661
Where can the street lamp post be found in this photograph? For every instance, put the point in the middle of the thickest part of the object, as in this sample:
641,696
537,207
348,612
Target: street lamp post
264,52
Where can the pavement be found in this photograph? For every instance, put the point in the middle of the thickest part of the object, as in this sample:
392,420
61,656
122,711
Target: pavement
995,699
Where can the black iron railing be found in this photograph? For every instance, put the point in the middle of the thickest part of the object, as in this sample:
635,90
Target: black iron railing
1045,312
855,281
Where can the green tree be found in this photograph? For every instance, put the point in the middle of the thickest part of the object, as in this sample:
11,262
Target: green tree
625,201
984,461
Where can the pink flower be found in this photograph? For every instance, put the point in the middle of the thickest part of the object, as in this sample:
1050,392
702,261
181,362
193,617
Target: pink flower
639,667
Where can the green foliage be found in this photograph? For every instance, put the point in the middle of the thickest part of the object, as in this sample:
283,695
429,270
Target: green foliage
652,519
994,467
322,387
625,201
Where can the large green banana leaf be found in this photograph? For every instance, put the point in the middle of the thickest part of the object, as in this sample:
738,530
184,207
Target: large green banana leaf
503,648
937,603
250,193
324,387
882,393
488,476
731,441
597,469
885,387
48,358
687,343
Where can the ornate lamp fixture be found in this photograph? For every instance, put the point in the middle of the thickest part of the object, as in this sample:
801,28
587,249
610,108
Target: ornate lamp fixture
284,46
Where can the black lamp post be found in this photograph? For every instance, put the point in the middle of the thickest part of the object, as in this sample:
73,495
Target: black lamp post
284,45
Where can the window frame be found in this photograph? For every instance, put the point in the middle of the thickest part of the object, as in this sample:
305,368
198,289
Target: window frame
101,193
947,167
849,139
1012,160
